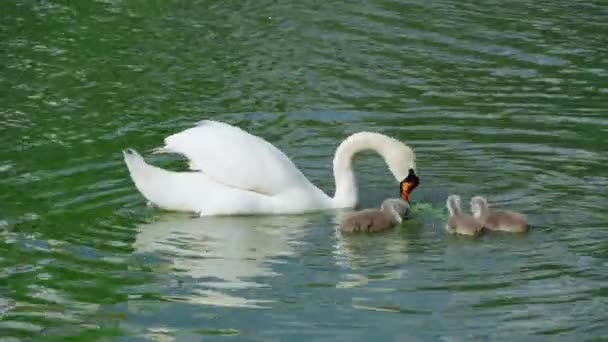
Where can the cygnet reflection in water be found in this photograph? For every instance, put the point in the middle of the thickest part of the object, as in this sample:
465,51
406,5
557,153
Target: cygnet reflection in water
220,252
356,253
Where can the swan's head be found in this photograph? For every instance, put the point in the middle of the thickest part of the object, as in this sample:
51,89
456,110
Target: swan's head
399,157
408,184
401,161
479,206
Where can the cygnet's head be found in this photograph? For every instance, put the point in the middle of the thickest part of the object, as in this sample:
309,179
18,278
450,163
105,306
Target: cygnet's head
479,206
397,207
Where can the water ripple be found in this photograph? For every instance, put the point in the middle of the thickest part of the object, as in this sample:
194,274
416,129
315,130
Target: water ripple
503,101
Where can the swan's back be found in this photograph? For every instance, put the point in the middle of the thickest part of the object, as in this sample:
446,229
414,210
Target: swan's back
234,157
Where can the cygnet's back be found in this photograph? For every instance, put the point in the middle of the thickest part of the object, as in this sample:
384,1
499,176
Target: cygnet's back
391,213
459,222
506,221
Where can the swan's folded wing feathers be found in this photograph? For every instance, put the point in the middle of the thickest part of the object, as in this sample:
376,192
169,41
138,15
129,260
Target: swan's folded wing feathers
233,157
191,191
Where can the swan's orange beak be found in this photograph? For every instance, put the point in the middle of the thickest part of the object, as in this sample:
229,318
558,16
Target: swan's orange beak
408,185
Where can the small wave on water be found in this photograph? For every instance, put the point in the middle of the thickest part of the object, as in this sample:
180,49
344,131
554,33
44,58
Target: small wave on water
506,101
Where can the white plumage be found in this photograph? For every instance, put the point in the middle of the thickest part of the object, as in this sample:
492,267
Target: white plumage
235,172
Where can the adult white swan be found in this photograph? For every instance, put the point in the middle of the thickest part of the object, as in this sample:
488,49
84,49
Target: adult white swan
235,172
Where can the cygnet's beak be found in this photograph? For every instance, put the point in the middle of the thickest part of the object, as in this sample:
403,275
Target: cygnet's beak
408,185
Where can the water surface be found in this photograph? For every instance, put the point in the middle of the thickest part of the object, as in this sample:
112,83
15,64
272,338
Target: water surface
504,100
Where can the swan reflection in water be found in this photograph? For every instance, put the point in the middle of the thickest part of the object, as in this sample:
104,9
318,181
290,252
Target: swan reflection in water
220,255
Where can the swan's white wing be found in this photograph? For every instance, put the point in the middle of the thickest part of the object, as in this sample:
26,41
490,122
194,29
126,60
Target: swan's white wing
193,191
231,156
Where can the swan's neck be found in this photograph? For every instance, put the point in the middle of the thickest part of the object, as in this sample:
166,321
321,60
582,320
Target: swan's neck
346,194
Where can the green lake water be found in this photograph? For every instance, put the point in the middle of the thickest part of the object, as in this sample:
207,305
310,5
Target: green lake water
504,99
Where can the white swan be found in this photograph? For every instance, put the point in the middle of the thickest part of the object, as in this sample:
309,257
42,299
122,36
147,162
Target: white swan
235,172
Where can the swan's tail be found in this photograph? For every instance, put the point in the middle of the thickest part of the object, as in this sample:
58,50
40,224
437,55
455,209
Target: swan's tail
191,191
162,188
142,174
138,168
